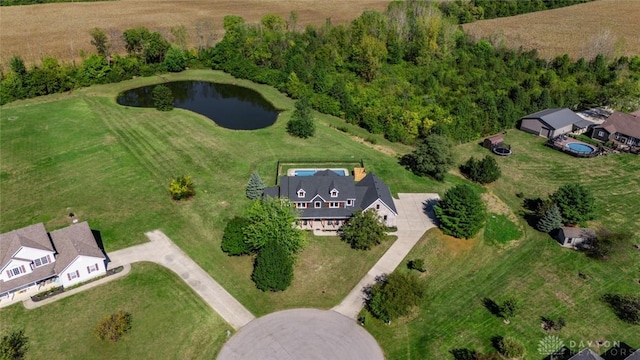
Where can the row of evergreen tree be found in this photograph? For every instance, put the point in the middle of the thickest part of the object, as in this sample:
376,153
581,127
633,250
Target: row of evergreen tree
404,73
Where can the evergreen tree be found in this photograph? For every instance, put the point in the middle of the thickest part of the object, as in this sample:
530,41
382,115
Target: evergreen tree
255,187
273,268
551,220
301,123
576,203
489,170
461,212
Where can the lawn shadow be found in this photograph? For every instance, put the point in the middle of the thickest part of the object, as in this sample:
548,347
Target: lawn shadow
492,306
463,354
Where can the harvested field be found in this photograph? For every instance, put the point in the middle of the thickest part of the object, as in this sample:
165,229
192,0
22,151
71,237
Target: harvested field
607,26
62,29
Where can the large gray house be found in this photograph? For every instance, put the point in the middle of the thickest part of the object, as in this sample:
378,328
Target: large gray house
326,200
551,123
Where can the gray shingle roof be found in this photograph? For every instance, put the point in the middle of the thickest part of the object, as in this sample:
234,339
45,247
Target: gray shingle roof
586,354
33,236
376,189
634,356
320,184
556,118
73,241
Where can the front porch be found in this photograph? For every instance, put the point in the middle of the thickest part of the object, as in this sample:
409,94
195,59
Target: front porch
27,291
320,224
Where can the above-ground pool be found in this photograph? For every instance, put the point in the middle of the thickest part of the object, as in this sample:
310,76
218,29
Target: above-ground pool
580,148
311,172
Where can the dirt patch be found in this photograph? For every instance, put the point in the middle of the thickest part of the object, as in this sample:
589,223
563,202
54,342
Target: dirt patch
564,297
62,30
224,204
454,246
381,148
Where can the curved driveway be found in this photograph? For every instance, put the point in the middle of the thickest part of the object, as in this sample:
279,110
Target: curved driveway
163,251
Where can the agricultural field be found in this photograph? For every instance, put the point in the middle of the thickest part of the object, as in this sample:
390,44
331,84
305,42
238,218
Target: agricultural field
538,272
169,321
61,30
607,26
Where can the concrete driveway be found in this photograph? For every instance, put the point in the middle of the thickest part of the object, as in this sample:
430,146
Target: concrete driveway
415,216
302,334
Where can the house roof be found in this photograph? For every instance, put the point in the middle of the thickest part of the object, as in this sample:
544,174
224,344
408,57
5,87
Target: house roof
556,118
573,232
73,241
376,189
636,113
634,356
586,354
622,123
39,273
319,184
33,236
584,123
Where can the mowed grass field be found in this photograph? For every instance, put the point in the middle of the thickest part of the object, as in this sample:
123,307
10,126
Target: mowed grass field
111,165
62,30
538,272
570,30
169,321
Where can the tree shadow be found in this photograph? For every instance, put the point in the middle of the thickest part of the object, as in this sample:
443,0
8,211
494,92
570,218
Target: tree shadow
427,209
463,354
492,306
564,353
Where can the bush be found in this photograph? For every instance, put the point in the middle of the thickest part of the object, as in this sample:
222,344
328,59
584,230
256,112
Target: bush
162,98
363,230
549,324
482,171
114,326
393,295
417,264
509,347
233,238
273,268
626,307
461,212
14,346
182,187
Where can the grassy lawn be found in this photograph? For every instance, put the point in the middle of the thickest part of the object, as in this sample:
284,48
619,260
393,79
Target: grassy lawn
111,165
536,270
499,229
169,321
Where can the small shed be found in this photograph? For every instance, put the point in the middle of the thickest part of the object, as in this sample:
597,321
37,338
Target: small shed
576,238
493,141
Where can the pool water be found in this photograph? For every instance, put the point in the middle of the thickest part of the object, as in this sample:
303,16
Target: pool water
311,172
305,172
581,148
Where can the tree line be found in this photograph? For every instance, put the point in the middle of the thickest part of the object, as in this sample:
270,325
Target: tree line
471,10
407,72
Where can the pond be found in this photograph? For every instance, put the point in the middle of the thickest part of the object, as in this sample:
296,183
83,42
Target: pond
230,106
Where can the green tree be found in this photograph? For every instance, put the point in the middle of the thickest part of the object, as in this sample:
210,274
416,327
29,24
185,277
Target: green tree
14,346
233,242
182,187
162,98
484,171
576,203
100,40
273,220
433,157
363,230
273,268
255,186
17,66
417,264
113,326
393,295
551,220
508,308
149,46
461,212
510,347
626,307
175,60
301,123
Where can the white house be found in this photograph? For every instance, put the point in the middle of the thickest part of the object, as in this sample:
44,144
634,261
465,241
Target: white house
30,257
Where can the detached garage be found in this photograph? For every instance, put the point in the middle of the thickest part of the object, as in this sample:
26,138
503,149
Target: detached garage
550,123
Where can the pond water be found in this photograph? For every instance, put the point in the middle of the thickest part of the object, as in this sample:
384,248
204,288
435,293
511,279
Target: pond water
230,106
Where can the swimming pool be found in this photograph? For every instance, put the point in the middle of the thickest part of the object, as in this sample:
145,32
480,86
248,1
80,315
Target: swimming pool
581,148
311,172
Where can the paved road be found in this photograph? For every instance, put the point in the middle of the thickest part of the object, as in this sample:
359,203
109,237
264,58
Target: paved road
163,251
302,334
414,218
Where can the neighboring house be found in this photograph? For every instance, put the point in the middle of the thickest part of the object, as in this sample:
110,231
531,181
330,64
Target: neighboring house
326,200
551,123
572,237
586,354
29,257
620,128
620,351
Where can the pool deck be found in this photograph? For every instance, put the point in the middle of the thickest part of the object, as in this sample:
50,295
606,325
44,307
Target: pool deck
561,144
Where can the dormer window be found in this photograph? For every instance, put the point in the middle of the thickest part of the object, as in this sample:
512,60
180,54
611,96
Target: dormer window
318,205
334,193
349,202
301,193
42,261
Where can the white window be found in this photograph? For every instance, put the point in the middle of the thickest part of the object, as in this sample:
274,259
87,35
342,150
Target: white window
304,222
334,205
42,261
334,193
73,275
385,218
302,205
92,268
377,206
330,222
318,204
16,271
301,193
600,133
349,202
569,240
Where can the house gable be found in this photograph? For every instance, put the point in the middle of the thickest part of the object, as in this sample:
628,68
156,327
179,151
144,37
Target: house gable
82,268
